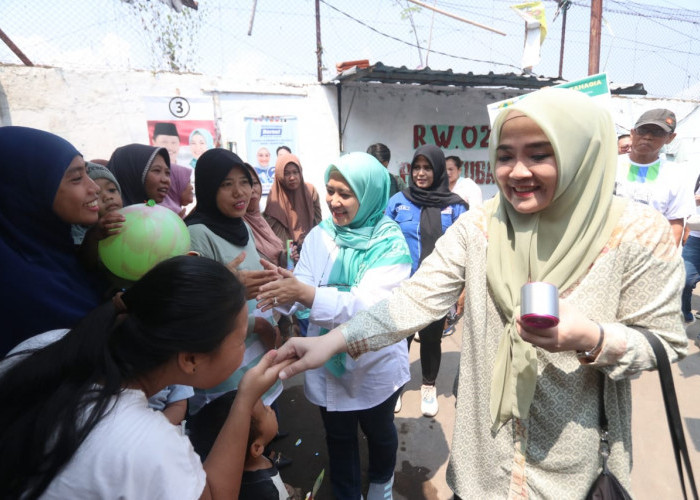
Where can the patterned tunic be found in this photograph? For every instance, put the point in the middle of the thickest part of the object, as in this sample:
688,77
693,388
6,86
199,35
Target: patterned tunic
636,280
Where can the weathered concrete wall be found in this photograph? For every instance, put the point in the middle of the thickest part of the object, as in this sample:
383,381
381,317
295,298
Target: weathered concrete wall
100,111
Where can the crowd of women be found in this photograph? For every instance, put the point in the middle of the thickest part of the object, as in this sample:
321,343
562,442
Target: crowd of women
76,420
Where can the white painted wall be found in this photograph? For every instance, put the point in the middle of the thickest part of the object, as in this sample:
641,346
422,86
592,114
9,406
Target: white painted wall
390,114
317,138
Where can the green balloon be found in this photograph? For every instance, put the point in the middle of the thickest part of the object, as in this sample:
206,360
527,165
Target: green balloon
150,234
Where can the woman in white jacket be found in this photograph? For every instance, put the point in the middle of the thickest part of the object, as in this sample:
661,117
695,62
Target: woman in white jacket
350,261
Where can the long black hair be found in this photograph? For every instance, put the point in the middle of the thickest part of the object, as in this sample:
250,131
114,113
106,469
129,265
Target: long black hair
55,396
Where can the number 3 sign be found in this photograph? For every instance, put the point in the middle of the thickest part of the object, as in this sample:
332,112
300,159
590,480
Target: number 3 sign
179,107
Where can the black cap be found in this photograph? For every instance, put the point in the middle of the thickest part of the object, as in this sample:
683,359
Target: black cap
663,118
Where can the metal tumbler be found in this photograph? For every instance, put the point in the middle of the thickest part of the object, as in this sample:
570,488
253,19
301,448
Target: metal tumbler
539,304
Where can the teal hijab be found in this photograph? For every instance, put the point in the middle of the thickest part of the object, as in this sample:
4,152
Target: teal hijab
371,239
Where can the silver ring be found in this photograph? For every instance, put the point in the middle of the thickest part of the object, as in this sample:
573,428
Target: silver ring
275,301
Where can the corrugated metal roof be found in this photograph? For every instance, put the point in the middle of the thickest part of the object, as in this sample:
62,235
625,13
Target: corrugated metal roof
388,74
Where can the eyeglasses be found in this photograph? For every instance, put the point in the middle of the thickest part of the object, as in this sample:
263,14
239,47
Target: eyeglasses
651,129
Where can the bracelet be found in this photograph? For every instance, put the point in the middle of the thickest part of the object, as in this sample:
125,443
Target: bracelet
593,353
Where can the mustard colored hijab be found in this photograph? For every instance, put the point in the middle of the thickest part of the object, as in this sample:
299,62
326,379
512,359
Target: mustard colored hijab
557,244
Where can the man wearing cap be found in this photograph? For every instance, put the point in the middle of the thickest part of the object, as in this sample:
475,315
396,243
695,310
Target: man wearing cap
165,136
643,176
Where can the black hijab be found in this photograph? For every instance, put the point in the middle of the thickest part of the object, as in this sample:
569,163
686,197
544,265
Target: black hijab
130,164
432,200
212,168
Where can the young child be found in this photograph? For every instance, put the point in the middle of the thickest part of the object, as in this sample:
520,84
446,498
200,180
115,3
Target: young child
261,479
172,401
109,199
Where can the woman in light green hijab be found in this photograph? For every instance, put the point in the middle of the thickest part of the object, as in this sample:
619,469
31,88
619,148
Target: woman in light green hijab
348,262
527,423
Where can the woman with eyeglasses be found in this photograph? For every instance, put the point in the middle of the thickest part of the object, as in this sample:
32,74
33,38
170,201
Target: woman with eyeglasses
350,261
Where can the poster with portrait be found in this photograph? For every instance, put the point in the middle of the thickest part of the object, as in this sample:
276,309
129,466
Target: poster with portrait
184,126
264,134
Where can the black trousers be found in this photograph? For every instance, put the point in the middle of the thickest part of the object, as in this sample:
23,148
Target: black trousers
430,350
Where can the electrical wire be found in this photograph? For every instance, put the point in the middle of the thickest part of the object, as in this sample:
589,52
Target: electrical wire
386,35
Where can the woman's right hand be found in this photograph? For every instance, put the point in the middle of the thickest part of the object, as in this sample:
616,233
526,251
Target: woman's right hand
252,280
309,352
286,290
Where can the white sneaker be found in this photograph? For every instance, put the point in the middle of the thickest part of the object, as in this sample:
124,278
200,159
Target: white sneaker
380,491
397,407
428,400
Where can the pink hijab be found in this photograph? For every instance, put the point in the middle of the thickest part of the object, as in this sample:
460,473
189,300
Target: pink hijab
179,178
267,243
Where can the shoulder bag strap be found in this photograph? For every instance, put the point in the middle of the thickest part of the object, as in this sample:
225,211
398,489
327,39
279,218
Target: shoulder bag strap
672,413
603,422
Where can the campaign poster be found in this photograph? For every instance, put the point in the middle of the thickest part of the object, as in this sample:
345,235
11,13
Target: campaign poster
184,126
595,86
264,134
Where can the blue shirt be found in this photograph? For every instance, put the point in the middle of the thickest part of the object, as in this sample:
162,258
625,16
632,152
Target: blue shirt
407,216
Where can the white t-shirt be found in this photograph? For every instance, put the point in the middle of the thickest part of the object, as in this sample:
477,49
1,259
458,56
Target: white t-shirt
669,192
469,191
696,233
133,452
